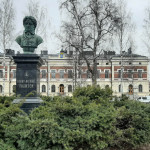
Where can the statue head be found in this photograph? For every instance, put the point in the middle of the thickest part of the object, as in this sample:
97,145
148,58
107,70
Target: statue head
30,24
29,41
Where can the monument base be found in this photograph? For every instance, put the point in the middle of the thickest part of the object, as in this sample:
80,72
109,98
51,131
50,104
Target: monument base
28,104
28,81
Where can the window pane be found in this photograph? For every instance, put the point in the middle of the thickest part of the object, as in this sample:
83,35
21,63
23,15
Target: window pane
53,88
139,73
61,88
69,88
106,73
1,88
129,73
43,73
119,73
43,88
53,73
61,73
1,73
130,89
140,88
70,74
14,73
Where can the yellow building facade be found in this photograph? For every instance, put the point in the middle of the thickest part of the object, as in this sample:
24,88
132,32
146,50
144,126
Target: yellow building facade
59,74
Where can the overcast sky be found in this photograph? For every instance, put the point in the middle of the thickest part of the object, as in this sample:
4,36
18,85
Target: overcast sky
136,7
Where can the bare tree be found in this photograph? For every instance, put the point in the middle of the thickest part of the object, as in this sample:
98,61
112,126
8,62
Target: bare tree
123,36
89,25
147,28
7,15
40,13
125,29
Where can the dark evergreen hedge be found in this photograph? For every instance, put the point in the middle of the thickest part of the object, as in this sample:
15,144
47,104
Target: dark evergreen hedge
87,121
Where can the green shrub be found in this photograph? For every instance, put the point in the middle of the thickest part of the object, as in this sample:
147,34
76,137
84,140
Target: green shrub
4,146
6,116
93,93
134,122
9,99
47,98
87,121
64,123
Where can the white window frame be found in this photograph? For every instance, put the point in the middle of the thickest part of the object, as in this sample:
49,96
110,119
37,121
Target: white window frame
55,73
131,74
42,88
52,88
68,73
60,71
138,72
139,88
2,73
108,74
118,73
71,88
13,72
45,73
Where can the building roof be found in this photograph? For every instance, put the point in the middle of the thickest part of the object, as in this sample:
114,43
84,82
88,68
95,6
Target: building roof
128,55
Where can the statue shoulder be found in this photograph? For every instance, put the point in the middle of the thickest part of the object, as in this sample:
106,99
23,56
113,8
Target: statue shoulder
39,39
18,39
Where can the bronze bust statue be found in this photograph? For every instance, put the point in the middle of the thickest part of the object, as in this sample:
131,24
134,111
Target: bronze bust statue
29,41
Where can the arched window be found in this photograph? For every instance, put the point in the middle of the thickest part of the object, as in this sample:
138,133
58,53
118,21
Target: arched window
140,88
61,89
69,88
119,88
131,89
43,88
107,86
1,89
53,88
14,88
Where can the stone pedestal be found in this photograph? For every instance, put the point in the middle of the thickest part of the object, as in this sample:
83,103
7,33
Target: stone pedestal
28,80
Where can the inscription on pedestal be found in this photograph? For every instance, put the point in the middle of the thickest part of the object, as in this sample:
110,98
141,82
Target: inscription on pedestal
26,83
